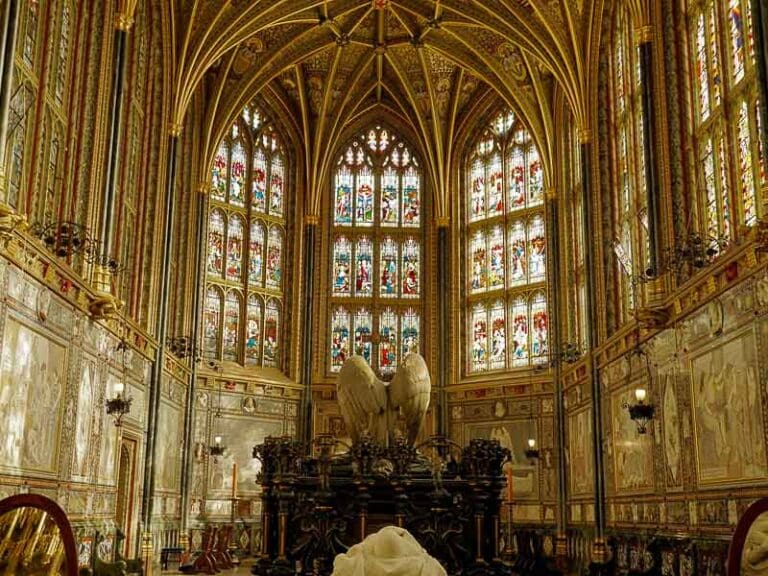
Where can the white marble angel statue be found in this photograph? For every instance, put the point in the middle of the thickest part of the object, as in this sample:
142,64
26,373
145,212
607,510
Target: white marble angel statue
372,406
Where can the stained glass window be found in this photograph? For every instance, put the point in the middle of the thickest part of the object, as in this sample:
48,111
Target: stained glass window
630,228
246,239
729,173
376,250
506,246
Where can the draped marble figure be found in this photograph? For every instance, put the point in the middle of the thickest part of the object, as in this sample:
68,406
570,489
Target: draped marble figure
372,406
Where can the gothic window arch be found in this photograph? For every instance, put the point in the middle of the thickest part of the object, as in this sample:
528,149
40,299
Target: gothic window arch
508,320
375,308
727,171
246,245
630,210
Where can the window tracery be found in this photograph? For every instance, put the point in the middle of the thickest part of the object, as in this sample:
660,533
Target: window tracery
376,251
507,245
724,117
246,245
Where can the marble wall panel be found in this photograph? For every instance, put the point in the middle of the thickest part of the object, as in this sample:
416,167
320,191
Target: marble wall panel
169,441
33,370
581,469
727,400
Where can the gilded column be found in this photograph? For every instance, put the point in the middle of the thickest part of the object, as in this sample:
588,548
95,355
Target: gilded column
760,34
443,345
310,237
123,23
591,337
645,50
196,337
8,33
554,297
161,330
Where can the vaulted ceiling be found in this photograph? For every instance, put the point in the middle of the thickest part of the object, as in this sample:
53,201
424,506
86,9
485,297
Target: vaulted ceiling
429,64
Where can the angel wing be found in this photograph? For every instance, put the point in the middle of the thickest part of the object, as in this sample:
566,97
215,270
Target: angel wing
409,392
362,400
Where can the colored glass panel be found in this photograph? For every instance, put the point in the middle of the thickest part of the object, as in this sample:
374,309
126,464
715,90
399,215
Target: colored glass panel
540,327
537,250
725,200
212,322
237,176
479,338
364,267
253,330
520,332
702,68
219,174
259,188
518,261
388,266
387,341
736,29
516,179
343,203
364,200
235,249
390,205
495,186
342,267
477,197
496,258
498,351
363,331
272,334
746,166
411,197
277,186
275,258
340,344
411,269
535,179
409,337
479,261
216,243
231,326
256,255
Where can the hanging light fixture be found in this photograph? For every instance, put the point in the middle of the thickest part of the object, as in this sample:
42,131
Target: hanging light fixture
217,448
120,404
641,411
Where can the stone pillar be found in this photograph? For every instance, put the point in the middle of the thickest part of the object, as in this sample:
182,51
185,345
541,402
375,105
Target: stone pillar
590,264
555,298
305,422
161,332
443,300
651,176
196,339
102,277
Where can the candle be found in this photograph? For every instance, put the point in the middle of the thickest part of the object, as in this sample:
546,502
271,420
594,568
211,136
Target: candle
234,480
119,388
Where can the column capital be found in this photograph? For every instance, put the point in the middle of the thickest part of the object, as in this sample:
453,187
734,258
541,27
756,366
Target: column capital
644,34
174,129
585,135
123,22
311,219
443,221
203,188
550,195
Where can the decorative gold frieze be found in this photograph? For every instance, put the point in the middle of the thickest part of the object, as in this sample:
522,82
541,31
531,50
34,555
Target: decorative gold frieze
10,221
103,305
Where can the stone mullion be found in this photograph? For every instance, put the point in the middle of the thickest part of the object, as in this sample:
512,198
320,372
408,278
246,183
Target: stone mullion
760,35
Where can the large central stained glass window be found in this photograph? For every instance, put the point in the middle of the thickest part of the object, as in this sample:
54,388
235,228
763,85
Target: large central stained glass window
376,252
508,321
